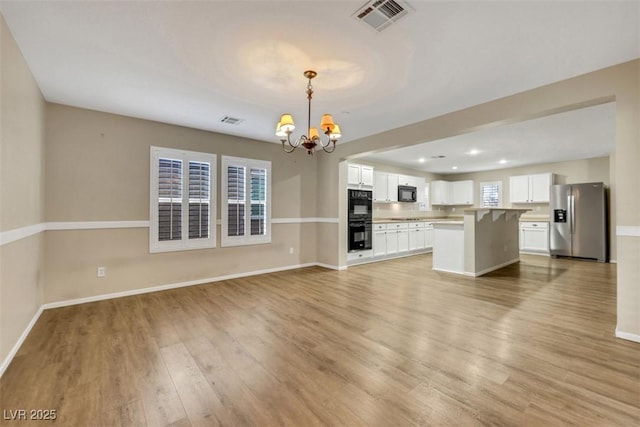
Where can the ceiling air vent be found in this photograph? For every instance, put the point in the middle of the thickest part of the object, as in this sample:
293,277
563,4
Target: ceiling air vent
379,14
231,120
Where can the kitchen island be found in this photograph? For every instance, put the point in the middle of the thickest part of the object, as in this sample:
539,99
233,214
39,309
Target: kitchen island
485,240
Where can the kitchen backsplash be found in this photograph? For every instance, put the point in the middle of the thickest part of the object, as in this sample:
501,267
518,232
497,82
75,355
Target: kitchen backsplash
538,212
410,210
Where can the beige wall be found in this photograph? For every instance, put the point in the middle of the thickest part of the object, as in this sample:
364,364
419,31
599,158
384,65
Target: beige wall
620,83
22,115
97,165
97,169
72,257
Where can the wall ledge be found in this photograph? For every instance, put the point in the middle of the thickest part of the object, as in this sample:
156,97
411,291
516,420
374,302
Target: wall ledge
628,230
30,230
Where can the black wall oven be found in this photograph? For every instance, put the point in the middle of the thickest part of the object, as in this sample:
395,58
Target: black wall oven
359,219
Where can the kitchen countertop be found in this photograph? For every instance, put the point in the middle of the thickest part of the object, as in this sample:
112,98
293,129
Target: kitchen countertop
392,220
449,222
534,218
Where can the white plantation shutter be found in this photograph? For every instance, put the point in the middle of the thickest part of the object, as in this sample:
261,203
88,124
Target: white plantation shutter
199,199
246,216
182,209
491,194
258,201
235,200
169,199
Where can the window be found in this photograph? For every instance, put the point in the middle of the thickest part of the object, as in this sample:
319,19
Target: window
491,194
246,201
182,202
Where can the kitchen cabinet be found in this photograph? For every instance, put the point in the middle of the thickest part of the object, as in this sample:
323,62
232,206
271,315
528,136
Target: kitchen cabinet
452,193
391,242
380,242
359,175
398,238
462,192
416,237
440,192
530,188
428,236
412,181
385,187
403,240
534,237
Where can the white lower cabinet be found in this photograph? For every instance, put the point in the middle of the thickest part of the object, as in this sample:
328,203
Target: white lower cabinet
396,238
534,237
403,240
392,242
379,243
416,239
428,236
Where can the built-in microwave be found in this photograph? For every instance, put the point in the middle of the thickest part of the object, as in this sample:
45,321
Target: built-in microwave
407,193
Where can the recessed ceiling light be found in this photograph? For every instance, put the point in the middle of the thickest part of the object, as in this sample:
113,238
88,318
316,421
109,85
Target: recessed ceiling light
454,167
474,152
502,161
422,160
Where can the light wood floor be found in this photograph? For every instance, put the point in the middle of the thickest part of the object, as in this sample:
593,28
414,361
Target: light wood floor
386,344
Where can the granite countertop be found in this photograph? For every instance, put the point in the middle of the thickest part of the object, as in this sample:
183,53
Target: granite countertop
534,218
496,209
392,220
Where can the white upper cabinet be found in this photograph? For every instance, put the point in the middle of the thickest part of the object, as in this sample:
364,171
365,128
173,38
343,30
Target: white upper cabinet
530,188
539,187
440,192
462,192
392,187
452,193
385,187
359,175
411,181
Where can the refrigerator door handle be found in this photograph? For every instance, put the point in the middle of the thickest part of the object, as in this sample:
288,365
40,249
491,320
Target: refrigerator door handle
572,214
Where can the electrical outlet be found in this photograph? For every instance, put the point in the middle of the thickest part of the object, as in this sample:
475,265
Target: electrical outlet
290,250
102,271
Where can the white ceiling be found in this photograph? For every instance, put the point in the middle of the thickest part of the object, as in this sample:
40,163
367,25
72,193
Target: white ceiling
577,134
191,63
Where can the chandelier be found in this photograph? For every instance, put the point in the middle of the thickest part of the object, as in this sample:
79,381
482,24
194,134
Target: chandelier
312,139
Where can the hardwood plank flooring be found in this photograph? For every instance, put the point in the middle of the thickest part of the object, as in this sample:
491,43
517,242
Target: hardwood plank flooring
386,344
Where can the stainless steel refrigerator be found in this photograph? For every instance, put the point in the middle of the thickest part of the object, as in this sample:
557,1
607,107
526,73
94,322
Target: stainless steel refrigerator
578,226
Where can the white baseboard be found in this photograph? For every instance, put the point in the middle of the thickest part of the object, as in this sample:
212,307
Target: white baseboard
58,304
7,360
627,336
535,253
165,287
331,267
490,269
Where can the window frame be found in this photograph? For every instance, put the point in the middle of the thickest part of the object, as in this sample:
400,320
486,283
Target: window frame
185,243
491,183
247,238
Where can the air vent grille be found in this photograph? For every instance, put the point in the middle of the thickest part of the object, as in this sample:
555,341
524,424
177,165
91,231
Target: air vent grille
379,14
231,120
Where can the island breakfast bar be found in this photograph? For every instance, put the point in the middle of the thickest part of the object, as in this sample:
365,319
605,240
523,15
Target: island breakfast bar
485,240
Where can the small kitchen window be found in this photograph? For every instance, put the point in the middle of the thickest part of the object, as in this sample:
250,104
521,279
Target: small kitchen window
491,194
246,201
